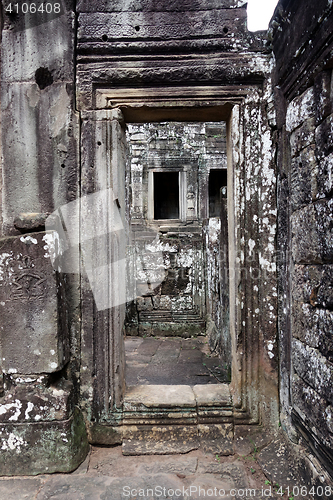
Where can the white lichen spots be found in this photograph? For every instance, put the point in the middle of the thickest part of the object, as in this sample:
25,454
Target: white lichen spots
12,370
38,417
257,311
4,257
30,407
53,366
270,248
329,418
64,437
214,229
52,351
13,443
251,244
28,240
58,392
17,405
255,288
266,264
2,303
37,352
270,347
49,239
26,380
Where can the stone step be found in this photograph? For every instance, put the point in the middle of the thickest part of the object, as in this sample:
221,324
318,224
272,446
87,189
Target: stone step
164,419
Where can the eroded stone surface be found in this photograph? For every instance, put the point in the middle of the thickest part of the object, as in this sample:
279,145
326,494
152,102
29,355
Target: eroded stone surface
34,332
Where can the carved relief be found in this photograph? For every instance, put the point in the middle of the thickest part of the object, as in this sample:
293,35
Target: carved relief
25,283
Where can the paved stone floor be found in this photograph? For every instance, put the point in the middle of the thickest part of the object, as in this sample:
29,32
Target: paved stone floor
258,469
108,475
171,361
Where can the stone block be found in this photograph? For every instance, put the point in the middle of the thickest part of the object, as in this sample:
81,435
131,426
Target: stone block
155,6
250,438
104,435
313,368
34,336
278,463
324,137
313,410
33,402
212,395
46,447
312,233
302,137
30,222
160,396
303,178
300,109
322,95
325,177
40,151
145,330
313,285
165,26
217,438
144,304
159,440
314,328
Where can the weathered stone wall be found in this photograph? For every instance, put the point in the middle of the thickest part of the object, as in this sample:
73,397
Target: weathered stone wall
135,62
304,99
195,61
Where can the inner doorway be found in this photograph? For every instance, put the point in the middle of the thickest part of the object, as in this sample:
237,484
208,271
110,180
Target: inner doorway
177,326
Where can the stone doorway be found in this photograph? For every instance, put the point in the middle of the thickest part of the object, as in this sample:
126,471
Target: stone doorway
178,250
111,410
177,258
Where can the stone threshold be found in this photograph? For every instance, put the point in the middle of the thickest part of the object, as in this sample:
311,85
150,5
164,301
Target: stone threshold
159,396
165,419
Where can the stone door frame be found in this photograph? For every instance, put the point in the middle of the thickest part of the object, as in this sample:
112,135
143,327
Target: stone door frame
251,227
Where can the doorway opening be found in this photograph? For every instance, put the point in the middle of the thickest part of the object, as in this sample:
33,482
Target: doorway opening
166,195
177,325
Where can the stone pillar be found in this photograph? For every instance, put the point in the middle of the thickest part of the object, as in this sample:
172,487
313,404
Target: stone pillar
40,430
104,247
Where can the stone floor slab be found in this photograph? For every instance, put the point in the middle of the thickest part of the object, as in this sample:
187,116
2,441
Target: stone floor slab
171,361
109,475
20,488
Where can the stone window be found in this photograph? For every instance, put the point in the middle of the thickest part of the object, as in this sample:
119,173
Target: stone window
217,180
166,195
